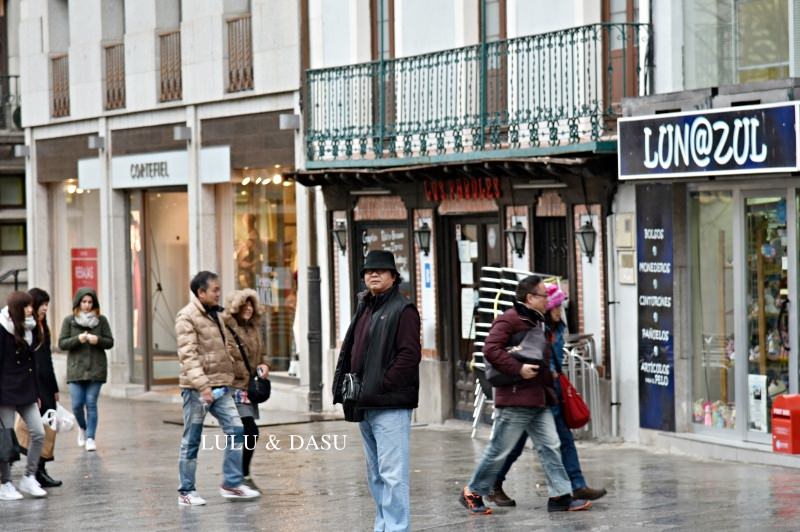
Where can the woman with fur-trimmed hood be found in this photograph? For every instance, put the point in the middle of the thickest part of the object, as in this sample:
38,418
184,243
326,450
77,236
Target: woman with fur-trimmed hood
242,319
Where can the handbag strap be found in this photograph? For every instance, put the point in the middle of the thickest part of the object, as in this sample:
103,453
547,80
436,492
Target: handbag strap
241,350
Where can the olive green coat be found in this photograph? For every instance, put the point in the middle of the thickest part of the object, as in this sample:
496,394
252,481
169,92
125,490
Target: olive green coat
85,362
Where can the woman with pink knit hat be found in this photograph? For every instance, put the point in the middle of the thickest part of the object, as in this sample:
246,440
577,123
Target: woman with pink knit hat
556,329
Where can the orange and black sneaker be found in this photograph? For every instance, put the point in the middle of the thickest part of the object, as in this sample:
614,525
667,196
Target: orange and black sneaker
473,502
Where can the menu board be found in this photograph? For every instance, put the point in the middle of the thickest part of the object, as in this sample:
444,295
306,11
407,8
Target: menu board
654,276
393,239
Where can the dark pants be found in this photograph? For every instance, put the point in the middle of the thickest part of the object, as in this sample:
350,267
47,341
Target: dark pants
569,454
250,439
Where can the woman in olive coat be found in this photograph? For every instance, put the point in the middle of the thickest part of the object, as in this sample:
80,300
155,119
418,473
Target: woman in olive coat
85,335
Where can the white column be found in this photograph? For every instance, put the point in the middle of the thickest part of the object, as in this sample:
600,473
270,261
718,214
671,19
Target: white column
40,258
115,275
202,207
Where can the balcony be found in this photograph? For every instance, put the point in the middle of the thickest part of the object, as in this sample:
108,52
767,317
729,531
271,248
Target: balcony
171,81
240,54
10,118
59,72
534,95
115,76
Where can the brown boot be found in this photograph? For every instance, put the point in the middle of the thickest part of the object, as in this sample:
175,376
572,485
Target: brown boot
588,493
499,497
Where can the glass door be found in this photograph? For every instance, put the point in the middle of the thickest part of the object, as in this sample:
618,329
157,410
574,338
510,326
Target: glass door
766,273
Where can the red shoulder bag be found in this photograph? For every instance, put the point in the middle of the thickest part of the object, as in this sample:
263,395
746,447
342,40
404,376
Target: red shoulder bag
576,413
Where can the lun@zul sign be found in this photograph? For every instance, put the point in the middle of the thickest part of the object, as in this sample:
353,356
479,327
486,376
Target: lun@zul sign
704,141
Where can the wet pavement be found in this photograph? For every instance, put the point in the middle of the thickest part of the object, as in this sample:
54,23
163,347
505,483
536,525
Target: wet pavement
130,484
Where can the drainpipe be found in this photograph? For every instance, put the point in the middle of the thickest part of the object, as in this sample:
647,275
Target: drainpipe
612,321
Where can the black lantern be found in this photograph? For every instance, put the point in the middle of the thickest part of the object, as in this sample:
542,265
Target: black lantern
340,234
516,237
586,236
423,235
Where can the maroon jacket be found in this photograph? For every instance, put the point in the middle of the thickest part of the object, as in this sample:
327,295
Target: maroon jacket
507,330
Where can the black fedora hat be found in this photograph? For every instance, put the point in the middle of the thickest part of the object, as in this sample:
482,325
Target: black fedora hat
377,259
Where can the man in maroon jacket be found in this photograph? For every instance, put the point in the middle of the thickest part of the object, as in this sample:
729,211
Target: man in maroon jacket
523,406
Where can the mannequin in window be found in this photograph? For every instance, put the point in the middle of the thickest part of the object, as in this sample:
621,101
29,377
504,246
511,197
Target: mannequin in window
249,253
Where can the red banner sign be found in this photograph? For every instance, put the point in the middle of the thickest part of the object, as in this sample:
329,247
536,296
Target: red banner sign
84,268
469,188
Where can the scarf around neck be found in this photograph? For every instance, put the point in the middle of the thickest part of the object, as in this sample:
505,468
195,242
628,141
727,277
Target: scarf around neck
8,325
87,319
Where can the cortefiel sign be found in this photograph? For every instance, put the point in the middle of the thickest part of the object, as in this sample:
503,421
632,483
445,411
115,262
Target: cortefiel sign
739,140
162,169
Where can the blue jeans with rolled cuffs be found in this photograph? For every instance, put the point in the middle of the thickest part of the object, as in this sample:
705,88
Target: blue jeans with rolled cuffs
194,412
511,424
385,434
84,396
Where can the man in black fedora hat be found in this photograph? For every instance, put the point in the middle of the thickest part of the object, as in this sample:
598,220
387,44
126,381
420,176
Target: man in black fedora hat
377,382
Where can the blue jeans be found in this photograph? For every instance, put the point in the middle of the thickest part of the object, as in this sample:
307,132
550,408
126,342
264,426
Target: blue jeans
84,395
513,422
569,453
385,435
194,412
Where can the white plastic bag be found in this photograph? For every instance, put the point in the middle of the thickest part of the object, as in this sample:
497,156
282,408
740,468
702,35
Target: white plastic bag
60,419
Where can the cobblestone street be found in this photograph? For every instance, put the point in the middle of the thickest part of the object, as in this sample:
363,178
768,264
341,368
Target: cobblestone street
130,484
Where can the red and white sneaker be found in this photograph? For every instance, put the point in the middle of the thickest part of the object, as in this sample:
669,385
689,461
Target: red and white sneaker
240,492
190,499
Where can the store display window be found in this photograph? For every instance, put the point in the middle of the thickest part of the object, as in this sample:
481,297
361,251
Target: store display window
713,355
265,253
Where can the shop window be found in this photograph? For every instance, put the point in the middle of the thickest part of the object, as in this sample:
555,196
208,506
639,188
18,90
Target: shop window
12,192
265,240
713,360
735,41
12,238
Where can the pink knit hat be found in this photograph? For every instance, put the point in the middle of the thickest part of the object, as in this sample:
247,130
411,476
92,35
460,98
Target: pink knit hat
555,296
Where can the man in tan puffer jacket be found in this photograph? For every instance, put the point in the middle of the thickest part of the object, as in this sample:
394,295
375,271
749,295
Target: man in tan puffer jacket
207,371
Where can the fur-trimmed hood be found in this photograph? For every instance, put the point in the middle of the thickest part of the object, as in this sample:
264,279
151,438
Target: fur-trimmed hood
235,300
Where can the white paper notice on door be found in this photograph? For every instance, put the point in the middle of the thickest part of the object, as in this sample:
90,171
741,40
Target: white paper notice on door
463,250
466,273
757,399
467,307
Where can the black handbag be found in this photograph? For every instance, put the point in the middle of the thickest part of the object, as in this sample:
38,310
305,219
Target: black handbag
258,388
530,350
9,447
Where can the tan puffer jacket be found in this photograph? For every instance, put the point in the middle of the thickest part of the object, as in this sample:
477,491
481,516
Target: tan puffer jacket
205,361
249,334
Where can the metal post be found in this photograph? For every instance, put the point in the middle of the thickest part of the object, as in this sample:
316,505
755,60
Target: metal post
483,74
381,83
314,340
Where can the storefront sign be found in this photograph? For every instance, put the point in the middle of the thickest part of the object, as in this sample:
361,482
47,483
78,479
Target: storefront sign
162,169
84,268
466,188
757,402
740,140
654,277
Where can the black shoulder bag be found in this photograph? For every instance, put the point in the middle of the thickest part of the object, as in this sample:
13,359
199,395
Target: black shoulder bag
258,388
9,447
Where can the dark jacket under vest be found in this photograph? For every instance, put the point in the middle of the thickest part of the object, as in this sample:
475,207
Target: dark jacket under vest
385,332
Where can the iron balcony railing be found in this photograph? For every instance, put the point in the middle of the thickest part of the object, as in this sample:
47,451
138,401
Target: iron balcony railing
115,76
240,54
536,91
171,87
10,119
59,72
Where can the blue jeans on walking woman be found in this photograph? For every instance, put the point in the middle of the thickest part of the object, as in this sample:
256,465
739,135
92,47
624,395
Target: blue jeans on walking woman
569,453
385,435
84,396
194,412
512,423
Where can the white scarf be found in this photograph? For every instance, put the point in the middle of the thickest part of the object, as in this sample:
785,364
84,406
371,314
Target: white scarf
30,323
87,319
